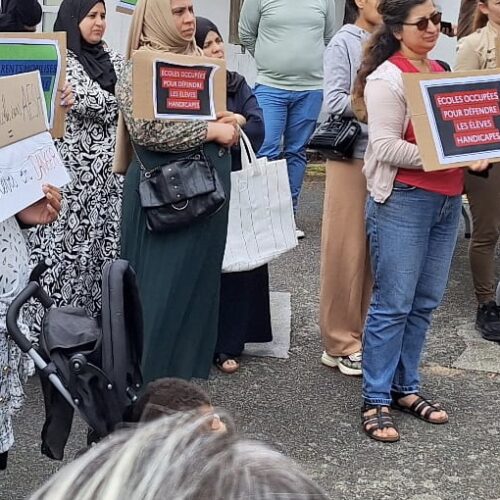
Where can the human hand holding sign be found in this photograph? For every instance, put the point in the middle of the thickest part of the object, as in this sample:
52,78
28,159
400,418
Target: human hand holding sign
223,133
231,118
43,211
67,97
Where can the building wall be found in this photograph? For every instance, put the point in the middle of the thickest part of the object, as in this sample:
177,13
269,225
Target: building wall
218,12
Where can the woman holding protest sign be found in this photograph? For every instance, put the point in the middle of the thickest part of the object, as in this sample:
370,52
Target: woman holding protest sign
178,270
86,235
478,51
244,312
14,271
412,220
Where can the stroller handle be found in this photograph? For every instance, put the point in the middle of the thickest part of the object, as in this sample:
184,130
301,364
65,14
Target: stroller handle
33,289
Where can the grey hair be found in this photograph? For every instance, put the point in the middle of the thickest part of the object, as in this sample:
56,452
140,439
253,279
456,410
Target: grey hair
176,457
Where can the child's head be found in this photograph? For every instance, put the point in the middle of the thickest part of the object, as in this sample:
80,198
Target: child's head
363,12
167,396
487,10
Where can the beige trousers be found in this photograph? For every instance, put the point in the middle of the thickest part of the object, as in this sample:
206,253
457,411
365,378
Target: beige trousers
484,201
346,280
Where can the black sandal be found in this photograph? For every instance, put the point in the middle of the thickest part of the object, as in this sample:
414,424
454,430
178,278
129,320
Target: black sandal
221,358
378,421
421,408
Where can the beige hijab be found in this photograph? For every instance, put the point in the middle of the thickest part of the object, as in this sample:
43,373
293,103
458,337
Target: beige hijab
152,28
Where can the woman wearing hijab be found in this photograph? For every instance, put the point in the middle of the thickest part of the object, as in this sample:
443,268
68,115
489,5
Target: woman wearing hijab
86,235
178,272
244,314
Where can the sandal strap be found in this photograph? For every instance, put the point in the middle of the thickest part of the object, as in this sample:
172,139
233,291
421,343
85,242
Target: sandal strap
421,406
380,419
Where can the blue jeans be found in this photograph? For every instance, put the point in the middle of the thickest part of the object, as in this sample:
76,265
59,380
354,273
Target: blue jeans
290,118
412,238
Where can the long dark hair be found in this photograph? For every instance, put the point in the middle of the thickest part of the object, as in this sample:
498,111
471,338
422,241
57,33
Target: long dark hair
351,12
383,43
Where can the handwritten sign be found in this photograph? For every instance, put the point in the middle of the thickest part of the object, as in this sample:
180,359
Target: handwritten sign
45,53
126,6
22,108
174,87
28,157
456,118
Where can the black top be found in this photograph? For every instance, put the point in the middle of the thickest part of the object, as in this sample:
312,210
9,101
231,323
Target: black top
19,15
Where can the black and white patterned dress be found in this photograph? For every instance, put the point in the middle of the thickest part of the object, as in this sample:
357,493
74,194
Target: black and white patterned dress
14,366
87,233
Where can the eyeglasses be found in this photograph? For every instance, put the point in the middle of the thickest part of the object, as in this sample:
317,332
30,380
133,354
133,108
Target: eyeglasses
424,23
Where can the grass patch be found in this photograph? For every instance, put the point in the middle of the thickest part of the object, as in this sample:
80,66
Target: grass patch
316,169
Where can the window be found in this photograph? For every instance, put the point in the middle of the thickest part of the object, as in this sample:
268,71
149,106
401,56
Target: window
234,17
49,9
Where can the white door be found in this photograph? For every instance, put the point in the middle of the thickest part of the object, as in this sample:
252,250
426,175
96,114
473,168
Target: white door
49,8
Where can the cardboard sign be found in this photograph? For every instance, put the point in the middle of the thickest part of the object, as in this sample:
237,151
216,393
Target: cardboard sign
43,52
174,87
28,157
456,117
22,108
126,6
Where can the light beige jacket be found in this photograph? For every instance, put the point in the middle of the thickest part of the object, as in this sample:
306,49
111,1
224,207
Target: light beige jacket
478,50
388,118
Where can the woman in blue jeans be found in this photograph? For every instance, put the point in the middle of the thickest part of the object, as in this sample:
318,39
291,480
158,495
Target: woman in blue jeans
412,220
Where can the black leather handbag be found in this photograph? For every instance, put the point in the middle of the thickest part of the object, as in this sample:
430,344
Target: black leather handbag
180,192
335,138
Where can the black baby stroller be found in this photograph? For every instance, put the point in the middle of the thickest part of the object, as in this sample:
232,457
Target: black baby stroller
88,364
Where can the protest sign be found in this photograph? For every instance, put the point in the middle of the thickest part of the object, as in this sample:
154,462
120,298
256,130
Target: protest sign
126,6
28,157
456,117
43,52
175,87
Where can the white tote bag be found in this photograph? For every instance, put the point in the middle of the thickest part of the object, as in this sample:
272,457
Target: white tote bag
261,223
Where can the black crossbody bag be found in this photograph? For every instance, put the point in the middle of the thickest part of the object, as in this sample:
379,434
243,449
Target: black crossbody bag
335,138
180,192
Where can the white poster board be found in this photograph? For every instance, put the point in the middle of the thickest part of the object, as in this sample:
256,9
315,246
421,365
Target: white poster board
28,157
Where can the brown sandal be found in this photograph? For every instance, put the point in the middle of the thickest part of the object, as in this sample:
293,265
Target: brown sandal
421,408
378,421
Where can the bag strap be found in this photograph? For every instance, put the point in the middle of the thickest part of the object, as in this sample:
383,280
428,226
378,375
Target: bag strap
248,156
141,165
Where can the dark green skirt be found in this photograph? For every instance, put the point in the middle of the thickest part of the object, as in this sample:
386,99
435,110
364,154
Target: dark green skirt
178,275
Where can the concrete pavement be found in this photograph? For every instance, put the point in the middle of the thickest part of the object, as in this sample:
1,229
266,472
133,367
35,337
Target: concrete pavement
311,412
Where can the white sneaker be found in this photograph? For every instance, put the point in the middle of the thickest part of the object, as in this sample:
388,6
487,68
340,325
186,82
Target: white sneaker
348,365
299,233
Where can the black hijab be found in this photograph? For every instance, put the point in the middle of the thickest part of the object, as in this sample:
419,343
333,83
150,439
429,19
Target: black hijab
92,57
203,27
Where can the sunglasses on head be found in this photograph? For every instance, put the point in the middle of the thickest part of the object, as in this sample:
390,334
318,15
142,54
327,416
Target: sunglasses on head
423,23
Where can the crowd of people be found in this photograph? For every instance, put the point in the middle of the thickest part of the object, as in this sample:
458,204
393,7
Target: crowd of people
388,233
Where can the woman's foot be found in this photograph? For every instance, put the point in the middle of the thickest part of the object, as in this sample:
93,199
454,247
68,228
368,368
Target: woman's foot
419,407
226,363
377,423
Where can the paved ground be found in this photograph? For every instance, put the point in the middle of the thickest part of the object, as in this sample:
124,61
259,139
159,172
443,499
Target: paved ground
312,413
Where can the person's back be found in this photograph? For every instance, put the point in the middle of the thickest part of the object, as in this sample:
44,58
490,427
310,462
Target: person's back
20,15
288,39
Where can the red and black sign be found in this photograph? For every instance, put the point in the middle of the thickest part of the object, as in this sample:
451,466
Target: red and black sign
183,90
467,116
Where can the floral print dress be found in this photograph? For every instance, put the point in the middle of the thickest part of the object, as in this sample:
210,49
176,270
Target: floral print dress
14,366
87,233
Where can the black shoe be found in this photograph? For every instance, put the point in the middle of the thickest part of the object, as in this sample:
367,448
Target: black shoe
488,321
